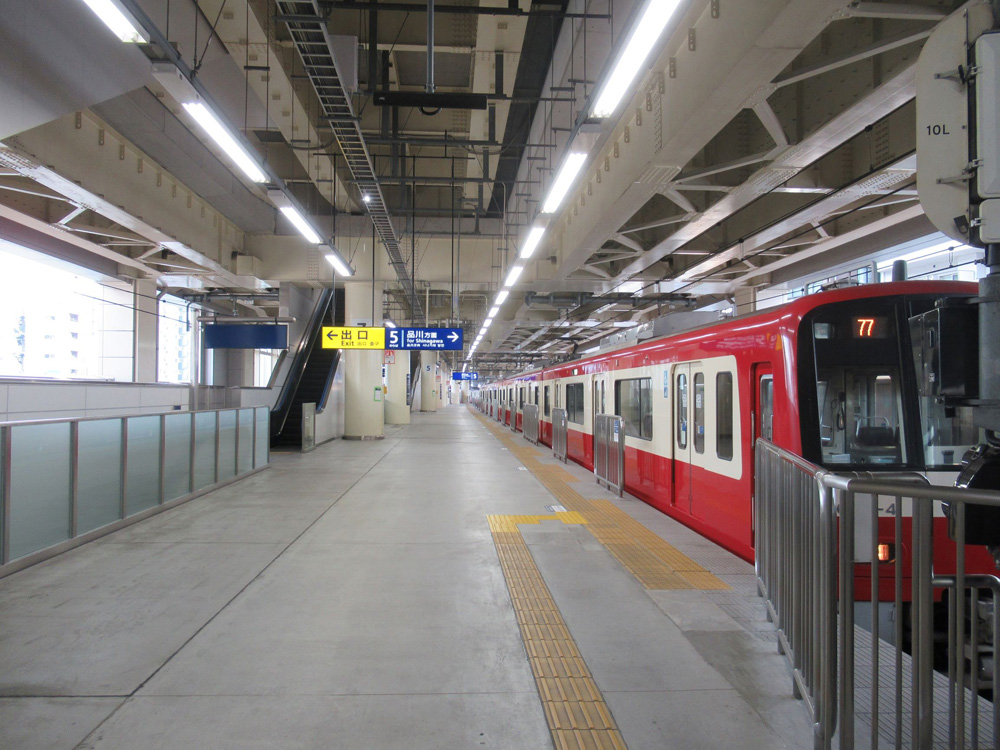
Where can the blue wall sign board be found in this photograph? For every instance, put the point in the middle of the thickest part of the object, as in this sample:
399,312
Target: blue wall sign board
465,376
240,336
443,339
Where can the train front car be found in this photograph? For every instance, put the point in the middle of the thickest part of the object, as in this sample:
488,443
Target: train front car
861,411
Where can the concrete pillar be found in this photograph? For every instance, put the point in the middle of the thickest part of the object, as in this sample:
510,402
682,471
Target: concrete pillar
466,389
444,384
396,368
364,411
146,331
428,381
746,300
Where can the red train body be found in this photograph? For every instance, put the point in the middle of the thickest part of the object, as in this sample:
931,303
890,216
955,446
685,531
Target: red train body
829,377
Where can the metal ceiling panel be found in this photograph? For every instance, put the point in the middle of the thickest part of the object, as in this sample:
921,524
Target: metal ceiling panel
48,65
142,118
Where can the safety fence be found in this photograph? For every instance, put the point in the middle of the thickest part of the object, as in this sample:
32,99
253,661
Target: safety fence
64,482
559,434
854,675
609,451
529,423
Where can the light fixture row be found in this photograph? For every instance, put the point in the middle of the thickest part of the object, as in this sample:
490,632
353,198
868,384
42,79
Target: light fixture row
116,16
643,37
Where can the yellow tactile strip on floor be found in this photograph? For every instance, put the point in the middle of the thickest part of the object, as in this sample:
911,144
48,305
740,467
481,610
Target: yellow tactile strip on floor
575,710
655,563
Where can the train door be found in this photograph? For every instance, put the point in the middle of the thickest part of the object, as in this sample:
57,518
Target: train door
682,410
762,416
598,409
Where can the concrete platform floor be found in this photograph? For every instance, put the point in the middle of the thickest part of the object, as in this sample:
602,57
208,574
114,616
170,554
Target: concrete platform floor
352,597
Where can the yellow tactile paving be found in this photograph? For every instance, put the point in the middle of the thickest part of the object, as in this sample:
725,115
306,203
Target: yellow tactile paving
655,563
574,708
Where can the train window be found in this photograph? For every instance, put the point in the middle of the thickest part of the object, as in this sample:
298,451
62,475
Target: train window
535,400
574,403
767,407
634,404
682,411
547,388
699,412
520,403
860,415
724,415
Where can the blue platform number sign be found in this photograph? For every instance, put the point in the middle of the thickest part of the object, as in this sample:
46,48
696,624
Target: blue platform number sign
439,339
465,376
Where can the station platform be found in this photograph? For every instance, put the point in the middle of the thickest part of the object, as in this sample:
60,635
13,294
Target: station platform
450,586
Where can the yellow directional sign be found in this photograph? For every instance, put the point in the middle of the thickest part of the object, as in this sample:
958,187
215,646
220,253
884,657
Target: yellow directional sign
359,337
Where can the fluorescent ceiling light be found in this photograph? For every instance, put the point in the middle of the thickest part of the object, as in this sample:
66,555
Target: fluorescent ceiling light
501,296
515,271
366,198
482,331
303,226
567,173
344,270
645,34
624,324
494,311
215,129
534,237
121,24
487,323
591,350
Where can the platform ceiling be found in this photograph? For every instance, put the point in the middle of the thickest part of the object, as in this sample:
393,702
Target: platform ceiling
760,139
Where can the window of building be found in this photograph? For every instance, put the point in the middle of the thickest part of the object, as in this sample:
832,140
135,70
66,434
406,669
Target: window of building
264,361
175,340
724,415
51,309
574,403
634,404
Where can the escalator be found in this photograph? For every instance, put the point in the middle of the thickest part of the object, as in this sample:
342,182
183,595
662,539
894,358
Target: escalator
309,378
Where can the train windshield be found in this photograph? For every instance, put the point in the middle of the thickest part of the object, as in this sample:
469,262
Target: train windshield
862,389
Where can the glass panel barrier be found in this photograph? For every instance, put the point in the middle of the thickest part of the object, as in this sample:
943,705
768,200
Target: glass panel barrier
142,464
176,456
261,456
227,445
66,478
244,461
204,449
40,487
99,474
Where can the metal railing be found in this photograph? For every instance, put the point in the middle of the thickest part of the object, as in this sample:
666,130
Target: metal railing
609,451
529,423
559,434
850,674
64,482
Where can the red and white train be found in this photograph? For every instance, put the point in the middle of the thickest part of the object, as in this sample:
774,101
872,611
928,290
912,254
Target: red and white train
830,377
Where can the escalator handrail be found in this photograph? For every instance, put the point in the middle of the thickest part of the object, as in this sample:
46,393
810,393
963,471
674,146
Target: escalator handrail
279,414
